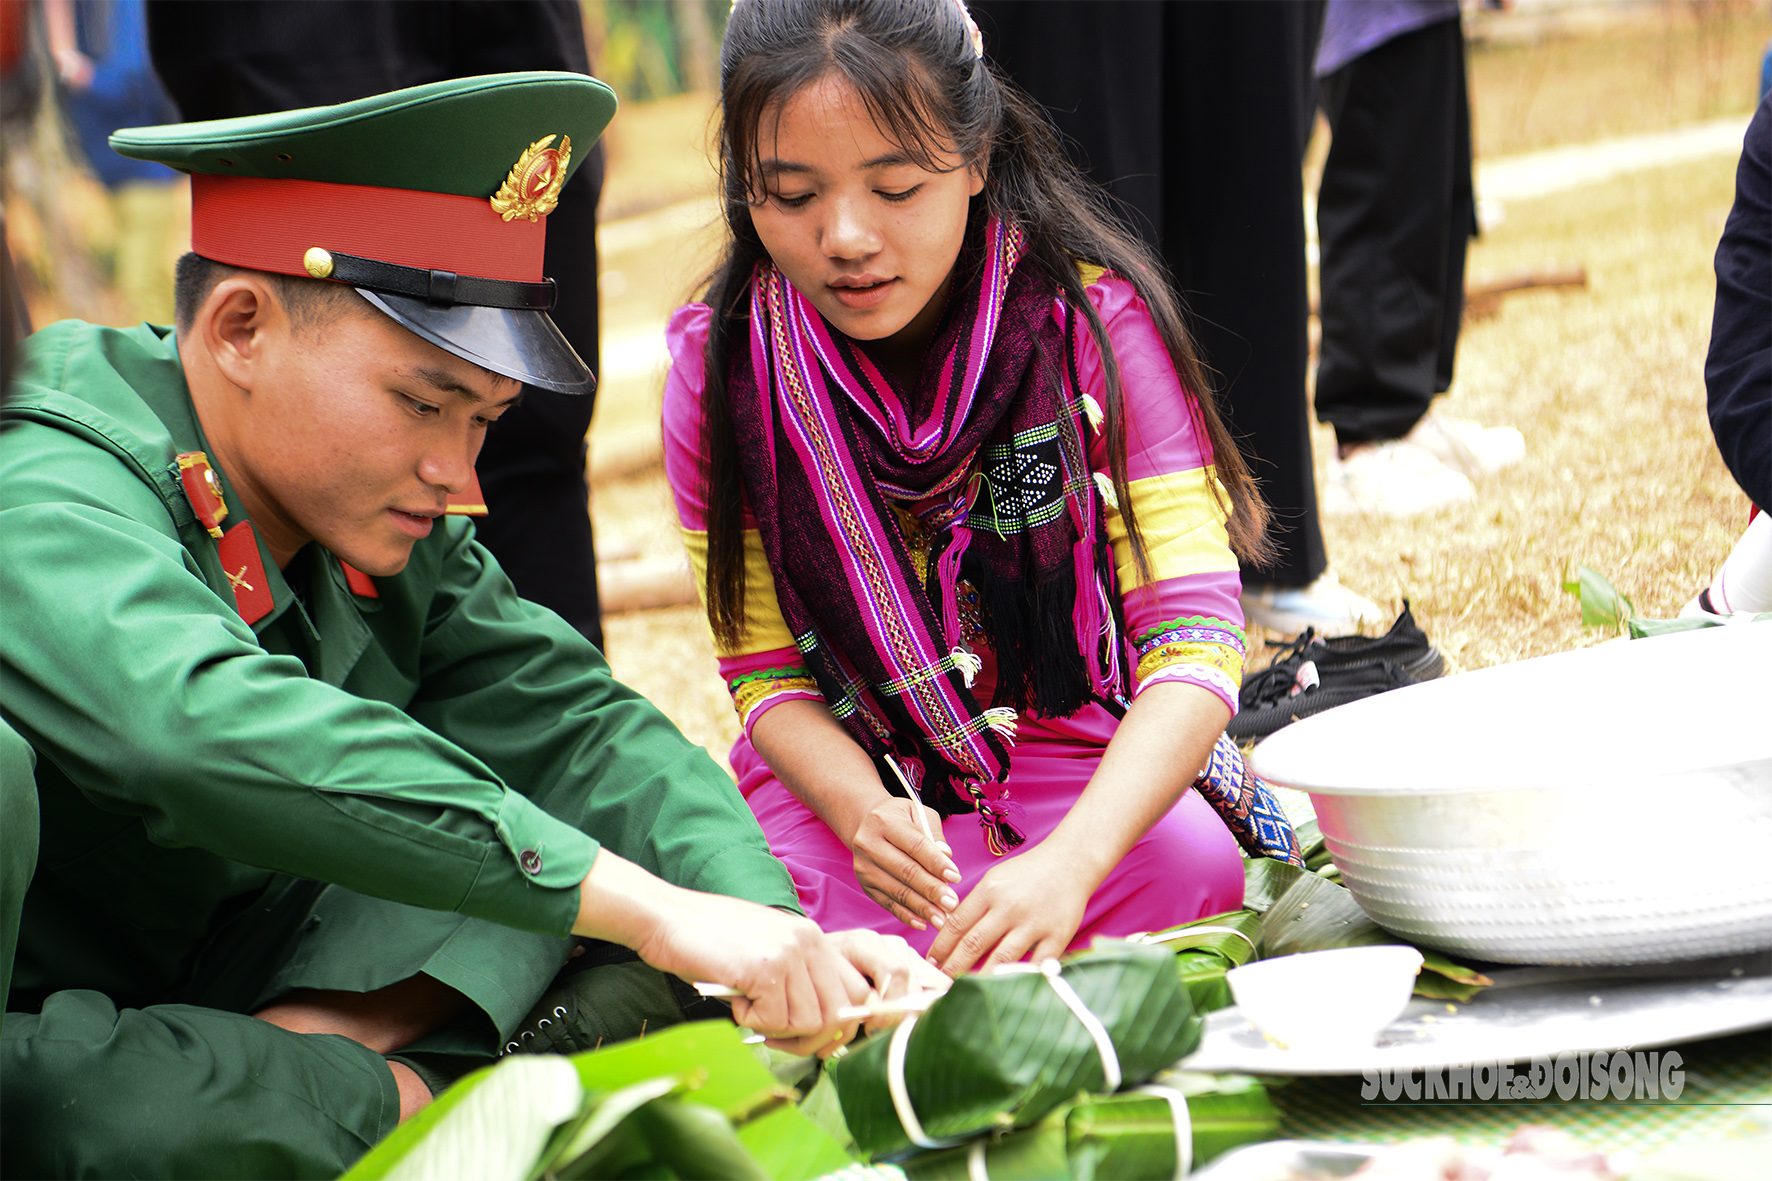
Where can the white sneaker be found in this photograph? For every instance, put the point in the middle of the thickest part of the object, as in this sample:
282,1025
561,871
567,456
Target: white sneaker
1325,604
1392,479
1468,447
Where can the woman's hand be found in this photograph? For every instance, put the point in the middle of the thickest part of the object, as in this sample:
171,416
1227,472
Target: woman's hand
1028,907
901,868
1031,905
906,872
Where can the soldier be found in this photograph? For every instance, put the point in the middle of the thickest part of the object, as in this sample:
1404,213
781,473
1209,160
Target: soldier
322,799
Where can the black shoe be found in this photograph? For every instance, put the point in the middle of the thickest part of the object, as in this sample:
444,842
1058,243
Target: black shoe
604,996
1405,645
1312,691
1331,671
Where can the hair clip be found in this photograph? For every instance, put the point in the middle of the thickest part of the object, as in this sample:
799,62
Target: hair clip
971,29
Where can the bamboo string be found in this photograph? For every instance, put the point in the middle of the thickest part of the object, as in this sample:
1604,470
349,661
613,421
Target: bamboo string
901,1096
1184,1125
975,1162
1188,932
1104,1044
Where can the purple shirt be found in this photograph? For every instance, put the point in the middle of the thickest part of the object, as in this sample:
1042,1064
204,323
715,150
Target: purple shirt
1353,27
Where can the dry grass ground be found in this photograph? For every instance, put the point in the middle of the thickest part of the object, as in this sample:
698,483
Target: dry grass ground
1606,382
1607,385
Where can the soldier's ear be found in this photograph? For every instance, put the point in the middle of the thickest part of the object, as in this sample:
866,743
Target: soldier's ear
239,321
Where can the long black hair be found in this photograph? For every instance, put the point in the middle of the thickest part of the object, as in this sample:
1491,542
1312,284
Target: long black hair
915,66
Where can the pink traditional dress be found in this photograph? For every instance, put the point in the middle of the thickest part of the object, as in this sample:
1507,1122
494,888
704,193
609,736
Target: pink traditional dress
1008,776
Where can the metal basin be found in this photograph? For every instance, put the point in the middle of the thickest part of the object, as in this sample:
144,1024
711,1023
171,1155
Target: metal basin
1611,805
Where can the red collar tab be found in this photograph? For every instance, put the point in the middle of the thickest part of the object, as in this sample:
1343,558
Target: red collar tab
203,490
469,502
246,572
269,224
360,583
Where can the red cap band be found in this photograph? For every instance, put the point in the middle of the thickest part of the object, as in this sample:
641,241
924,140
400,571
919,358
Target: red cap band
268,225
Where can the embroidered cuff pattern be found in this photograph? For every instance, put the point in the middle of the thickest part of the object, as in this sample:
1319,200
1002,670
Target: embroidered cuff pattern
753,689
1198,649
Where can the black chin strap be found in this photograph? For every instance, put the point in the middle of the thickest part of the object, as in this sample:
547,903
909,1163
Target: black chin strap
439,288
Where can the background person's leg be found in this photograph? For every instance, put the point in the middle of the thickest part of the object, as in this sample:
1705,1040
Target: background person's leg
180,1091
1394,213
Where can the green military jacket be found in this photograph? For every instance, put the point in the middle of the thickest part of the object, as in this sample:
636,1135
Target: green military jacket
445,744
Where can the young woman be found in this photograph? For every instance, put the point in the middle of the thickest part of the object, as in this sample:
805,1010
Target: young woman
963,515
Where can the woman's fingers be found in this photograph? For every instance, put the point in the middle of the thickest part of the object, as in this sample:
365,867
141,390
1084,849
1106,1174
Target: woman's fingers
929,849
897,909
963,944
896,863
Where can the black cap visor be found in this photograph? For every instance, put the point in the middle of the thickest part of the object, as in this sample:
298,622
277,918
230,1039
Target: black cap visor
513,342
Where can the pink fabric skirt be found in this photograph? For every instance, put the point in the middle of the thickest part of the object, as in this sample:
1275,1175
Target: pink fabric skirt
1185,867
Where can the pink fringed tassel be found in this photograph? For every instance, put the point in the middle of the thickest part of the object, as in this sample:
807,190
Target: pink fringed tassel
947,576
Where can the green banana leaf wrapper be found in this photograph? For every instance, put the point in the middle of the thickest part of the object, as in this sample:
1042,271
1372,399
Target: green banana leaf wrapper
1128,1136
1289,910
1004,1050
692,1101
1206,949
1303,911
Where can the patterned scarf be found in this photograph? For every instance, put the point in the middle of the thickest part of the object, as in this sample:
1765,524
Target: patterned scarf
991,443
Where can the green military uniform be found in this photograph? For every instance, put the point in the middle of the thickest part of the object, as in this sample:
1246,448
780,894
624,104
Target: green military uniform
446,756
18,841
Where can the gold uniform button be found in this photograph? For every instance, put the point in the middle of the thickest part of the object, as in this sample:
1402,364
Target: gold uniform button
318,262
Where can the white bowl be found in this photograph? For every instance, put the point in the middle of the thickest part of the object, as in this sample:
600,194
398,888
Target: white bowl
1611,805
1319,1000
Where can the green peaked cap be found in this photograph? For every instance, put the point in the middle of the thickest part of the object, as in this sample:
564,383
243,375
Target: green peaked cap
460,136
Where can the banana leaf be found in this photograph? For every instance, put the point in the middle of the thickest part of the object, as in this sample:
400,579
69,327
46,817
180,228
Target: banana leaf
1207,948
1302,911
584,1144
1602,604
785,1144
1226,1110
1124,1136
488,1127
692,1101
1003,1049
1641,628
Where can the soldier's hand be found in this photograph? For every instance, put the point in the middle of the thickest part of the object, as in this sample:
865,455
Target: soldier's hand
794,978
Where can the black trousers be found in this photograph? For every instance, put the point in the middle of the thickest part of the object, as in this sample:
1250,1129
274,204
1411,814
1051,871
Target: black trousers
1195,116
1394,215
224,60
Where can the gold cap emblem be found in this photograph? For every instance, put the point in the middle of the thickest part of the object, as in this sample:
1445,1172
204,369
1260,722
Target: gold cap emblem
533,187
318,262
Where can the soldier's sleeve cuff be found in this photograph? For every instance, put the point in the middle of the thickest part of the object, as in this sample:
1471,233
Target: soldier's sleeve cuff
532,881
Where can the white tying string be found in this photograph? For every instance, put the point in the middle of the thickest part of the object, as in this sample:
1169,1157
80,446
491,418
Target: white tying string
1189,932
1104,1045
901,1097
975,1170
1184,1126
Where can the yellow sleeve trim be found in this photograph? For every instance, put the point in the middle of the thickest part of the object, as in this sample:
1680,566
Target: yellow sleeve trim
1182,524
765,630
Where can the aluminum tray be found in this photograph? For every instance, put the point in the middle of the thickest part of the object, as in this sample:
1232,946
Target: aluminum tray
1531,1012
